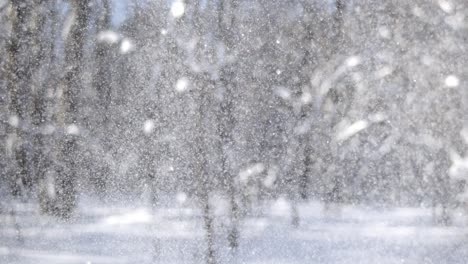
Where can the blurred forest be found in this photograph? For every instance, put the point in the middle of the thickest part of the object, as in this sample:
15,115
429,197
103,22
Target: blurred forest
345,102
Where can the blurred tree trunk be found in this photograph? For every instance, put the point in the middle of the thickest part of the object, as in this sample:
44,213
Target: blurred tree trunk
17,94
304,177
43,107
204,188
226,24
45,42
68,117
336,193
25,54
338,25
201,172
102,84
304,123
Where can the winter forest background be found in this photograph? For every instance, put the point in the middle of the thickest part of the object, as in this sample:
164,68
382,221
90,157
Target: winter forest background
195,131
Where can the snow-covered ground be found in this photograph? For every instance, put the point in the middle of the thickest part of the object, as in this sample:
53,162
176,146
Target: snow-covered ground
105,233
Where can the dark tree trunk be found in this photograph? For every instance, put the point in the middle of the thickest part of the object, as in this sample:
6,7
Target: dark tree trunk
226,22
102,84
26,52
67,171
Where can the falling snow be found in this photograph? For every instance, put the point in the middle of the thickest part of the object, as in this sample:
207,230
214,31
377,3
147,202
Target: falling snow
233,131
